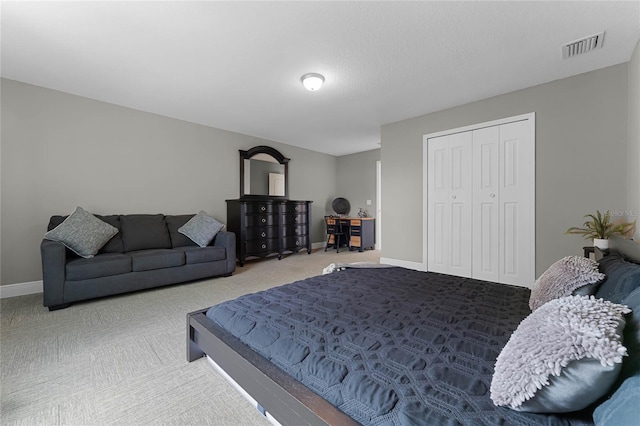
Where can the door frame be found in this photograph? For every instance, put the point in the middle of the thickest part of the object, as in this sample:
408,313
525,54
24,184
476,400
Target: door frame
378,215
531,117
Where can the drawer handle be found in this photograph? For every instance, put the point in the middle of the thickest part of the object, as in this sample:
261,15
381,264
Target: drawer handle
263,208
264,234
453,196
264,246
295,208
297,242
295,219
263,220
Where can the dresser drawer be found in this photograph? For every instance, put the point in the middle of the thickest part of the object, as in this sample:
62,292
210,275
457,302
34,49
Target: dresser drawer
294,219
260,246
294,242
261,232
294,231
294,208
257,208
261,220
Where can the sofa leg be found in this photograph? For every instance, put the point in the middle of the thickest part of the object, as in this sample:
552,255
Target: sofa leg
56,307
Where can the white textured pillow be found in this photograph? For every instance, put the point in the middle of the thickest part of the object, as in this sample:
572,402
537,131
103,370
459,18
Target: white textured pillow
561,358
569,275
201,228
82,233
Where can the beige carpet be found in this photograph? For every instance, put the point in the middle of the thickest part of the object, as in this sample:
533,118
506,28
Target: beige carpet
122,360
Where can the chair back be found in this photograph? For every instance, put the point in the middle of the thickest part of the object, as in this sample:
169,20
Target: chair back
334,225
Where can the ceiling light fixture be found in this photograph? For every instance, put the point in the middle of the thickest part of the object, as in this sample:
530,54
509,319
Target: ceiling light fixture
312,81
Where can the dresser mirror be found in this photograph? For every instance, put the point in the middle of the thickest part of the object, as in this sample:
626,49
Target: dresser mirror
264,173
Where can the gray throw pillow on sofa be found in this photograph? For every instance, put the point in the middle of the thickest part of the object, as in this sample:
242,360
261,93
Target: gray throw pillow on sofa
563,357
201,228
82,233
570,275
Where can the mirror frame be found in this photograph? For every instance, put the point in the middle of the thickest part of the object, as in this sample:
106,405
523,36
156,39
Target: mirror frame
277,155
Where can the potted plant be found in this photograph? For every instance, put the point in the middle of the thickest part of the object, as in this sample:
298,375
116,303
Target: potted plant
599,228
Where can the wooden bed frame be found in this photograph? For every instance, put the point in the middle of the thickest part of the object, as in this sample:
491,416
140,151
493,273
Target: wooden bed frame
277,393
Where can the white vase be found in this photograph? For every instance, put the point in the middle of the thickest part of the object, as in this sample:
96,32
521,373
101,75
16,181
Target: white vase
601,243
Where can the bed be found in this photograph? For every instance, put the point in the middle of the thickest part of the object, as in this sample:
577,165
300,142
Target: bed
386,346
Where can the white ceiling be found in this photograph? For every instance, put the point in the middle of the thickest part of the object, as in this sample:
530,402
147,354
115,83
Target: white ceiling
237,65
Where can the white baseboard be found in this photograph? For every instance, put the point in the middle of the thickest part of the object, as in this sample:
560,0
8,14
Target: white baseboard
317,245
20,289
418,266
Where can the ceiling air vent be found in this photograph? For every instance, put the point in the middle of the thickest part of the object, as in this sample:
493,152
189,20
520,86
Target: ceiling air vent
583,45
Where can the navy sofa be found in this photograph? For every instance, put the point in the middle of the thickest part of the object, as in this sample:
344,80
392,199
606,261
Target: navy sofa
148,251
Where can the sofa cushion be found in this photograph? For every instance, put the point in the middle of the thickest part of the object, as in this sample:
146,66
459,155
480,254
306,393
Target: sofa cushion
82,233
102,265
146,260
173,223
204,254
201,228
114,245
144,231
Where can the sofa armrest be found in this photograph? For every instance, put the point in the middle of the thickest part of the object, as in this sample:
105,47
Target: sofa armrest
227,240
54,259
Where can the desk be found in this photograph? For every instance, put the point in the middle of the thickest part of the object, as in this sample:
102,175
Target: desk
361,231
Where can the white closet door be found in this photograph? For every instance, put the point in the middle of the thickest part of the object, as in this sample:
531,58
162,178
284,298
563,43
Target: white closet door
480,201
449,204
517,175
486,207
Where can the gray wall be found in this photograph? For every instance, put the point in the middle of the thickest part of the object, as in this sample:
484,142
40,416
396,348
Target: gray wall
581,144
60,151
633,152
357,180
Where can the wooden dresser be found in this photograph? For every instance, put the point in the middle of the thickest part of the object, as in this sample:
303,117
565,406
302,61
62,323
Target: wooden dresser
265,226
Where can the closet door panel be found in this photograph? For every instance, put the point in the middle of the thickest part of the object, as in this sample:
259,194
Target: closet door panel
438,205
460,169
449,204
510,252
440,247
486,210
517,175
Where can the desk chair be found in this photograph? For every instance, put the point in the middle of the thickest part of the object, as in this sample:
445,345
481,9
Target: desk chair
336,233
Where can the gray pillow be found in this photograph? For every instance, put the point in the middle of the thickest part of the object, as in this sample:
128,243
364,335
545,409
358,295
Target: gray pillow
82,233
563,357
201,228
570,275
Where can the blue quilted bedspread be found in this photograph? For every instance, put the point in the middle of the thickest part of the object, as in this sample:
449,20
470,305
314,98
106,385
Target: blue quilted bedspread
390,345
